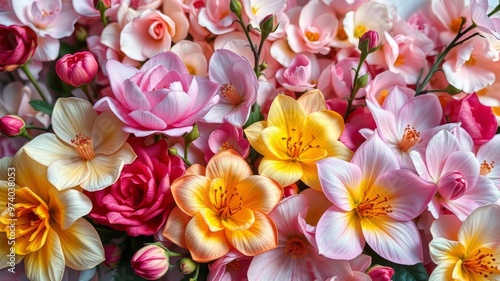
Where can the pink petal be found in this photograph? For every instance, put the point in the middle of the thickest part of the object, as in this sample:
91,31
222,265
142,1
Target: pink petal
169,60
148,120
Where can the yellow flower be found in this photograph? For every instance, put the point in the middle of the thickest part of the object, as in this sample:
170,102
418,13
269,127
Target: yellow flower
41,225
87,149
468,251
295,136
221,207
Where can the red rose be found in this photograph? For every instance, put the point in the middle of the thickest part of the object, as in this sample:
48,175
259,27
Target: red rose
17,46
477,119
140,201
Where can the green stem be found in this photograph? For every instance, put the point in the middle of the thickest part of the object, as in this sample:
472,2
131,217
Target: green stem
497,8
197,272
26,135
354,87
85,89
29,127
440,58
256,53
27,71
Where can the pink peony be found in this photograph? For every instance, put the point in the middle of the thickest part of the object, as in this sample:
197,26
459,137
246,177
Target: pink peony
161,97
140,201
477,119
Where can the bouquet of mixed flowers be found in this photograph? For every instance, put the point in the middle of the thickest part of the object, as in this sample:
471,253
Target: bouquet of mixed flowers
249,139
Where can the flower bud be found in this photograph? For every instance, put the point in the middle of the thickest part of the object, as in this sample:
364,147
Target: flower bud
290,190
18,44
369,42
381,273
150,262
193,135
236,7
268,25
12,126
77,69
112,255
187,266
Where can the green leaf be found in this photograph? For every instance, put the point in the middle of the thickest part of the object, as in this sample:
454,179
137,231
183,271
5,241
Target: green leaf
42,106
255,115
415,272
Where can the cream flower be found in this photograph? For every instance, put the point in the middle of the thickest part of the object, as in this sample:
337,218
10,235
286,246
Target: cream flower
87,149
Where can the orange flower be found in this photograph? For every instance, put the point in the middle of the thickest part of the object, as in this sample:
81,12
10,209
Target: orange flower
221,207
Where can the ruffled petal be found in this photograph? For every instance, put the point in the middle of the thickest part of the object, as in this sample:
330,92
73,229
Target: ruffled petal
229,166
175,227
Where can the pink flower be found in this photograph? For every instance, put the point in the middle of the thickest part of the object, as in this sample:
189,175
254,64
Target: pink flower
381,273
337,78
232,266
216,16
112,255
225,137
384,83
140,200
479,15
374,202
312,28
477,119
12,126
77,69
296,257
18,44
161,97
369,41
297,76
150,262
360,118
238,91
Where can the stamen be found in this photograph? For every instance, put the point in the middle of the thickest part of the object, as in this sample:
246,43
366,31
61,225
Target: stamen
372,207
410,138
84,146
312,36
486,168
296,146
230,93
225,146
295,247
482,263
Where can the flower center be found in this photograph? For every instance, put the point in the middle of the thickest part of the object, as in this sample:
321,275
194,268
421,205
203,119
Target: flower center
295,247
383,94
156,30
482,263
230,93
399,61
486,168
225,146
410,138
255,9
471,61
360,30
225,202
84,146
341,35
233,266
312,34
371,207
295,145
455,25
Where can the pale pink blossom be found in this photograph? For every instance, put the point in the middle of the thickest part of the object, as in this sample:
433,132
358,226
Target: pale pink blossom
488,155
374,202
312,28
404,57
256,10
238,90
456,172
371,15
385,82
449,14
191,53
297,76
225,137
161,97
216,16
419,32
468,68
336,80
232,266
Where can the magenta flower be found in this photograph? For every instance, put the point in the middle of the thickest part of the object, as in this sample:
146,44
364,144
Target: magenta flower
77,69
162,97
238,91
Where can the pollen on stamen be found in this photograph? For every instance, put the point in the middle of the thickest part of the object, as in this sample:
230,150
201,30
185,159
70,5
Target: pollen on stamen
83,146
295,247
371,207
486,168
230,93
410,138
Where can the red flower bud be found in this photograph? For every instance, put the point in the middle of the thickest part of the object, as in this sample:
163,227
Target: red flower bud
77,69
381,273
369,42
12,126
17,46
150,262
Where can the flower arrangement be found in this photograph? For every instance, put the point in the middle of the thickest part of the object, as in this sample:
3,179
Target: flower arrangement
249,140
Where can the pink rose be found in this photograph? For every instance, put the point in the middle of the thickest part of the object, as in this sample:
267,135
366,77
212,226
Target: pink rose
140,200
77,69
17,45
161,97
477,119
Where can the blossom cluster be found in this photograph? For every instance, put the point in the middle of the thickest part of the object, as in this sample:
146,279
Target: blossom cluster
249,140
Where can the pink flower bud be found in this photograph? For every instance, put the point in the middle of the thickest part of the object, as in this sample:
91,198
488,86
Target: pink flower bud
77,69
187,266
381,273
369,42
17,45
290,190
150,262
112,255
12,126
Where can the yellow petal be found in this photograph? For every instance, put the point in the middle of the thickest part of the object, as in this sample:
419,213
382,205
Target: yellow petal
253,134
203,244
229,166
107,134
286,113
46,263
81,245
312,155
310,175
5,250
68,206
68,173
285,172
175,227
242,220
481,228
442,249
259,193
191,193
212,219
260,237
312,101
5,164
276,142
326,126
72,116
31,174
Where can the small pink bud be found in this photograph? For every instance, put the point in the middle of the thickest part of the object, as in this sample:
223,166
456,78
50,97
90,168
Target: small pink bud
381,273
290,190
150,262
187,266
112,255
77,69
12,126
369,42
